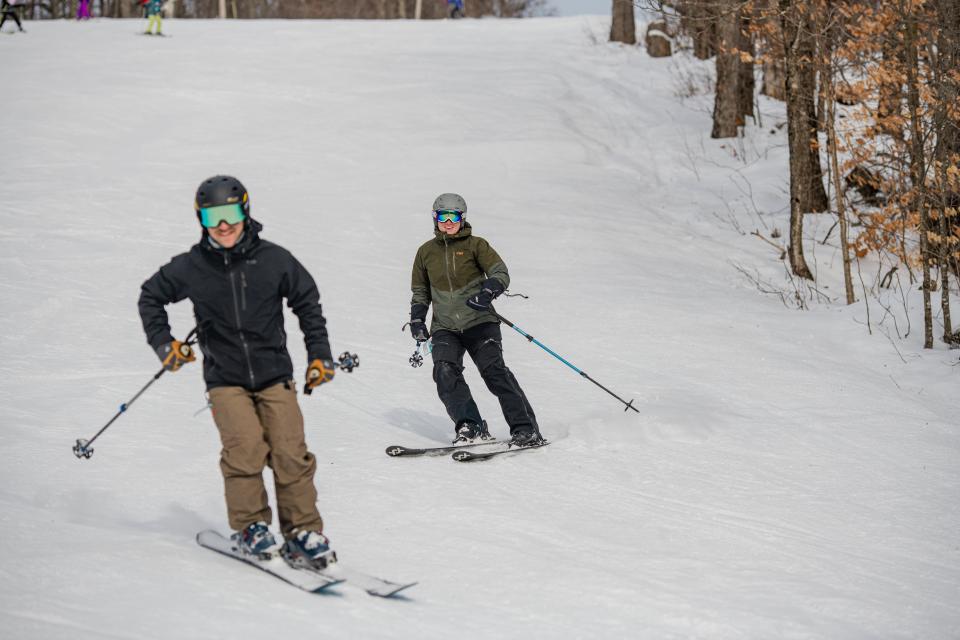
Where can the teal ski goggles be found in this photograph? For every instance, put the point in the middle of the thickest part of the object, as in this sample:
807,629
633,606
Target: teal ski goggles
211,217
448,215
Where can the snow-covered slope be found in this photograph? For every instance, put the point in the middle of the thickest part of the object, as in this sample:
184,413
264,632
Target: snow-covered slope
788,475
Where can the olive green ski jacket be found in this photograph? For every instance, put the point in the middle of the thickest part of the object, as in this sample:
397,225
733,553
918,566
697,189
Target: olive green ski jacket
450,269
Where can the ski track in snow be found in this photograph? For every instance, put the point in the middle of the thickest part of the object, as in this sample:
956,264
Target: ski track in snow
788,475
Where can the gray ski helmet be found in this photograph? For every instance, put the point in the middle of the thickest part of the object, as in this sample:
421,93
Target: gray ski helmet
220,190
450,201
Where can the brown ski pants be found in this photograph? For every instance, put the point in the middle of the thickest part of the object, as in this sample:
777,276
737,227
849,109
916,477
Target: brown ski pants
258,429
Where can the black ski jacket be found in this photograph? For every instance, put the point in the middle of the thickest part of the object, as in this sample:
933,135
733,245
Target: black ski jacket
237,297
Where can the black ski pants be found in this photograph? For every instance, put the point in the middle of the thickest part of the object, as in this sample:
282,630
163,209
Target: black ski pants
482,342
11,13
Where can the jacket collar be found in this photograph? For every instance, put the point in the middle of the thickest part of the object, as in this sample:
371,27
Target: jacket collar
249,241
465,232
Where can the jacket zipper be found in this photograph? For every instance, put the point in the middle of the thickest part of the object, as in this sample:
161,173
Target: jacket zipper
446,264
236,310
446,268
243,290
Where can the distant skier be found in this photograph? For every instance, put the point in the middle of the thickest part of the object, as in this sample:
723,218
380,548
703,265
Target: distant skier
154,10
454,8
461,274
9,10
237,282
83,10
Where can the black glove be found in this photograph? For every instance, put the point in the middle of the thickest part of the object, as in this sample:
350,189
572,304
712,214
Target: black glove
491,289
418,323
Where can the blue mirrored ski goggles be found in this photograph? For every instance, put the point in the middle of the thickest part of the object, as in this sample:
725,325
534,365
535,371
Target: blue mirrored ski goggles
448,215
230,213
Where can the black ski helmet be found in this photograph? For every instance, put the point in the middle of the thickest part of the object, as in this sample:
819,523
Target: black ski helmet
220,190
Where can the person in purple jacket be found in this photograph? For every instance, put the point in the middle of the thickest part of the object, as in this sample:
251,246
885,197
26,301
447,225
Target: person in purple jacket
83,10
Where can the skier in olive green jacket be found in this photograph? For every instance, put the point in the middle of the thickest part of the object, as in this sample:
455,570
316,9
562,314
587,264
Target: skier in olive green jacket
460,274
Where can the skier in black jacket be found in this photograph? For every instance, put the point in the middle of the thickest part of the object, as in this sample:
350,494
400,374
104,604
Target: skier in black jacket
9,10
237,282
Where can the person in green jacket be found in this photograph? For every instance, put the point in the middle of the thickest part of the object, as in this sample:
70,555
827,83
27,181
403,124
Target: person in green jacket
460,274
154,10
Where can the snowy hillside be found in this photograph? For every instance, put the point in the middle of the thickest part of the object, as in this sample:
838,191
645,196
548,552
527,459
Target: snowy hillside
788,475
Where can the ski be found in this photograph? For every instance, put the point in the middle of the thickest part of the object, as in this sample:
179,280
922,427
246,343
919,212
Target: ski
398,451
471,456
274,564
352,578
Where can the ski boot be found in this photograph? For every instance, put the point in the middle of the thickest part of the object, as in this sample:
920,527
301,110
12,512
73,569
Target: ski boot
256,540
526,438
470,432
309,549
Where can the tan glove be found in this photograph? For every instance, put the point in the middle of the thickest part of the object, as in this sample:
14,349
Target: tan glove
319,372
175,355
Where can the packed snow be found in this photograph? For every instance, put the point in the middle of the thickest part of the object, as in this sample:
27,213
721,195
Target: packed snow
790,474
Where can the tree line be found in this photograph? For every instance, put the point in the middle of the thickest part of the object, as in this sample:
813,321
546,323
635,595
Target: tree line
292,9
872,93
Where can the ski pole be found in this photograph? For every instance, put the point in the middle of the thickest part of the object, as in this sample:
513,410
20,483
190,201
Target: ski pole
416,360
530,338
423,346
82,448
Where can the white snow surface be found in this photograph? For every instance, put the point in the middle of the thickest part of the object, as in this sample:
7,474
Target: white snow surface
789,474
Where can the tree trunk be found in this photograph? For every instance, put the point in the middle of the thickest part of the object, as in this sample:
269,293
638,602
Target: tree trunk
830,123
917,173
947,126
745,81
696,22
799,53
774,65
815,196
775,79
890,96
725,102
623,26
798,135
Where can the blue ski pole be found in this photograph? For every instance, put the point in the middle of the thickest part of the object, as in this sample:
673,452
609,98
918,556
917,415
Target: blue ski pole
82,448
629,405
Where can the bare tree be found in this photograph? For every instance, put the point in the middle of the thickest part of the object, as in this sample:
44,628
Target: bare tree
827,75
945,60
806,177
